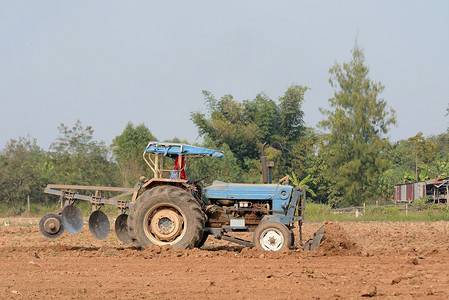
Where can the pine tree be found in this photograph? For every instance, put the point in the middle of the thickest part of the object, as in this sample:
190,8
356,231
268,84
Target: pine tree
357,122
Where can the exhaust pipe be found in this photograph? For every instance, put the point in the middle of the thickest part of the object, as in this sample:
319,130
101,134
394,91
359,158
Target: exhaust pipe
263,160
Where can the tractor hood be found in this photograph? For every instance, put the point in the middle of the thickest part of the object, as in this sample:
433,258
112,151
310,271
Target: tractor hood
280,194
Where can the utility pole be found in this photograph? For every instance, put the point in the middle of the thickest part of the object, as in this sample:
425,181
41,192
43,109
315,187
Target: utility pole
416,161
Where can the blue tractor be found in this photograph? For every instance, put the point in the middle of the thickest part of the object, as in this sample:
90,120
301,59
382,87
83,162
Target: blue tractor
170,209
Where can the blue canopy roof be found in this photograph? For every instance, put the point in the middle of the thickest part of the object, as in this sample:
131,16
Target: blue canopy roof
172,149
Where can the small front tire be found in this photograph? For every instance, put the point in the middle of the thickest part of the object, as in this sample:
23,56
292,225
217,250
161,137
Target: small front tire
273,236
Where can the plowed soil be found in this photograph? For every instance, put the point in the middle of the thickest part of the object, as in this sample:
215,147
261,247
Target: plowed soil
356,260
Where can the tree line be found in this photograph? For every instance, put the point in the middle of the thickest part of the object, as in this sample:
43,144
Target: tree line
346,160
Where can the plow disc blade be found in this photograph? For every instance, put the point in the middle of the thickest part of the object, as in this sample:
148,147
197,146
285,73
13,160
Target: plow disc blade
99,225
121,228
72,219
314,242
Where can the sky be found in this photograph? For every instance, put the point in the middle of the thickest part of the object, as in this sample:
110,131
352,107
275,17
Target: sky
107,63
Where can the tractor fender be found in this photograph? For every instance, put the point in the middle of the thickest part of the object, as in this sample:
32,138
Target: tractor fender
181,183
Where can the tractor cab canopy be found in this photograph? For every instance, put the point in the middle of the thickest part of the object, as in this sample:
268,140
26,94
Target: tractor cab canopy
173,149
156,151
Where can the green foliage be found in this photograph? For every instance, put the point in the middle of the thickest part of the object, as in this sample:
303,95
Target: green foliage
232,123
21,164
415,159
307,161
320,213
128,149
302,183
292,124
245,126
439,167
75,158
354,150
422,203
387,180
414,155
225,169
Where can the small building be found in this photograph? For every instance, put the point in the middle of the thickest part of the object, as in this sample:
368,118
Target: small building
436,190
407,192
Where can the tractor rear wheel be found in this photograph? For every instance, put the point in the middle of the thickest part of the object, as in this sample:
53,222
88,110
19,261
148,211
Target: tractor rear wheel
203,240
273,236
166,215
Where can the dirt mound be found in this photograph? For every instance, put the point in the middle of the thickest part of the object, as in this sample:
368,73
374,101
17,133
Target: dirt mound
337,242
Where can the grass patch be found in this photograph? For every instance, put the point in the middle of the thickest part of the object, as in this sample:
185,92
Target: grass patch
22,211
322,212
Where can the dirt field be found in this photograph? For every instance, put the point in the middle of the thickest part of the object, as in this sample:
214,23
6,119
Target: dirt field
383,260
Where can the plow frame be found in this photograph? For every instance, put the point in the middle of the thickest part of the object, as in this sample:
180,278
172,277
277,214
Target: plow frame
66,192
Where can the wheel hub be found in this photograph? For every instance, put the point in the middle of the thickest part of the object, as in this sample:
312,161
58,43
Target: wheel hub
52,225
272,240
166,224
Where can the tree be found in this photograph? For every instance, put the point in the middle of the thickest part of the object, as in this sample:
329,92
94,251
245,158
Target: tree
312,162
225,169
292,123
442,142
358,119
77,159
245,126
21,163
232,123
423,151
128,148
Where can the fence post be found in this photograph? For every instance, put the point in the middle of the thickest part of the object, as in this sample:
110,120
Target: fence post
28,204
406,209
364,207
377,203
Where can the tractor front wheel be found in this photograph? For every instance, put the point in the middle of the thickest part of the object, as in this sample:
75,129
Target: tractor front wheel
166,215
273,236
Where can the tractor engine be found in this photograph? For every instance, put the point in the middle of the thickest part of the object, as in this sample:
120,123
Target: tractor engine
243,206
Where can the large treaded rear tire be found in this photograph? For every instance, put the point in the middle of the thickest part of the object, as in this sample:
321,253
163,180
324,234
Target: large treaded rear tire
203,240
166,215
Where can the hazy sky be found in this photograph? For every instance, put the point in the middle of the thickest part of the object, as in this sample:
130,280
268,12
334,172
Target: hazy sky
110,62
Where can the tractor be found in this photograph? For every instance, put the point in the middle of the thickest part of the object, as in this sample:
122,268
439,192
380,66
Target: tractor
170,209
